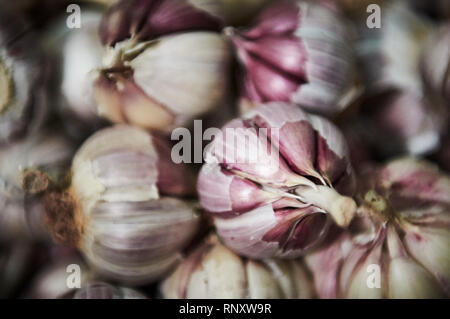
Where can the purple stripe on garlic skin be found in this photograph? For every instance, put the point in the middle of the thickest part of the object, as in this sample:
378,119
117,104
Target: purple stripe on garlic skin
149,19
128,228
296,52
278,205
214,271
402,227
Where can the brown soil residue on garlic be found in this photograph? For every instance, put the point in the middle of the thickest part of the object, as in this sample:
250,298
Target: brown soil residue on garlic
63,218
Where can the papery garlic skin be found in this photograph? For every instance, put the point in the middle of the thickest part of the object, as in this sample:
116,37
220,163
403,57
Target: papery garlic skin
23,79
402,229
121,209
22,215
298,52
213,271
279,204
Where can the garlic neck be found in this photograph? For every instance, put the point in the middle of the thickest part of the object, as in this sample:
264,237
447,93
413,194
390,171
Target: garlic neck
377,205
341,208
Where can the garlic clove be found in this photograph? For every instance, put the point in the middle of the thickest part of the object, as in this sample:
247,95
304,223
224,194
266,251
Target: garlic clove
418,179
193,63
294,129
221,274
358,286
408,280
261,283
430,247
244,150
141,110
225,193
332,150
279,18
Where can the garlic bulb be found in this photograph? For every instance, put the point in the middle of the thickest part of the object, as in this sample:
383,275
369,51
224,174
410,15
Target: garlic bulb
390,55
21,215
155,78
435,64
297,52
399,246
23,79
78,53
404,122
51,281
103,290
276,203
121,208
214,271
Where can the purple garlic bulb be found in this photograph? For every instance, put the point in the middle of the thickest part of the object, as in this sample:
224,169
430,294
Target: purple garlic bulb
124,209
273,179
399,245
298,52
166,63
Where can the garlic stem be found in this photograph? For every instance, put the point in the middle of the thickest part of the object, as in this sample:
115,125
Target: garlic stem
5,87
341,208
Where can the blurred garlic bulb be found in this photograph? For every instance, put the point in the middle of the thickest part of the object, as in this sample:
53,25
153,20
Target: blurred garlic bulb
78,54
23,79
399,246
390,55
21,215
214,271
402,122
51,281
103,290
298,52
272,180
121,209
435,65
153,77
